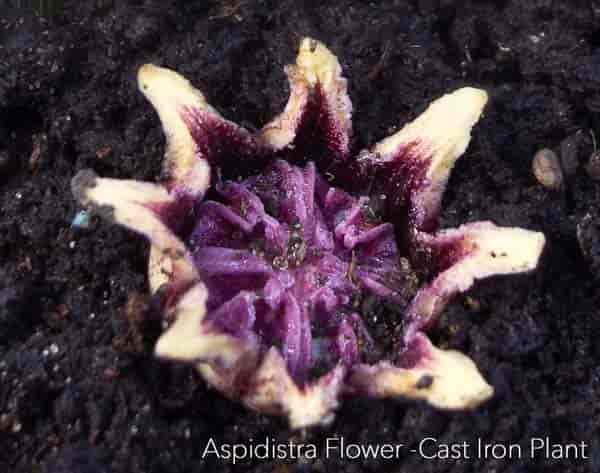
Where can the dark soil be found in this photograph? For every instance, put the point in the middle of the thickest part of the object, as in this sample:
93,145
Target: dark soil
79,389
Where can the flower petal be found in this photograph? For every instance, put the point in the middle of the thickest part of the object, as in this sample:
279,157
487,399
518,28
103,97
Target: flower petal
145,208
198,137
446,379
272,390
413,165
463,255
191,338
317,117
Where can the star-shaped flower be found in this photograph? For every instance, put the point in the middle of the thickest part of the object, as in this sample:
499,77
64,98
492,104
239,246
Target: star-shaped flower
293,273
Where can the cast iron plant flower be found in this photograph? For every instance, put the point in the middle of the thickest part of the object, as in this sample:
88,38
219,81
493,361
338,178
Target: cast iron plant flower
293,274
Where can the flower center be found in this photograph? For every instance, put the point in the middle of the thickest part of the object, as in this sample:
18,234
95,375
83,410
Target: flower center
290,261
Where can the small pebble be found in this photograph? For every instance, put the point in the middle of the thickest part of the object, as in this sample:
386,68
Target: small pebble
593,166
81,220
547,170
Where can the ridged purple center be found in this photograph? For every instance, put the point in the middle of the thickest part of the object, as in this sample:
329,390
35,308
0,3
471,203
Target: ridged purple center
290,261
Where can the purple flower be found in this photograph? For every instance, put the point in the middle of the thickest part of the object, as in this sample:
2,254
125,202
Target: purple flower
272,249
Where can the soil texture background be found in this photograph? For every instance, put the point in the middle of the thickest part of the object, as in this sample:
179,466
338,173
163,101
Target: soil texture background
79,388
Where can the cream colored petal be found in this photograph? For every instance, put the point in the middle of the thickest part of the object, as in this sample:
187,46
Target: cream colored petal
281,131
133,204
477,250
169,93
317,74
428,147
230,381
446,379
190,338
272,390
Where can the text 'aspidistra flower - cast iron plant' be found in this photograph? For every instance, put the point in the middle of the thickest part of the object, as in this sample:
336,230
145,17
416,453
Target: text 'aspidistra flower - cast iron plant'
292,273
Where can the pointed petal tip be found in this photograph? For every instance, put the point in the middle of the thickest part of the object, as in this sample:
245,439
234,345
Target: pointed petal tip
198,347
145,72
87,189
315,79
449,120
446,379
81,183
505,250
461,108
305,42
149,74
444,128
170,93
478,98
218,350
317,62
189,339
155,80
318,403
457,382
536,241
273,391
163,348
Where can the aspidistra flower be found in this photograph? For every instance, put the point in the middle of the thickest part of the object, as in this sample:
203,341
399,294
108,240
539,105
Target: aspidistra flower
270,249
